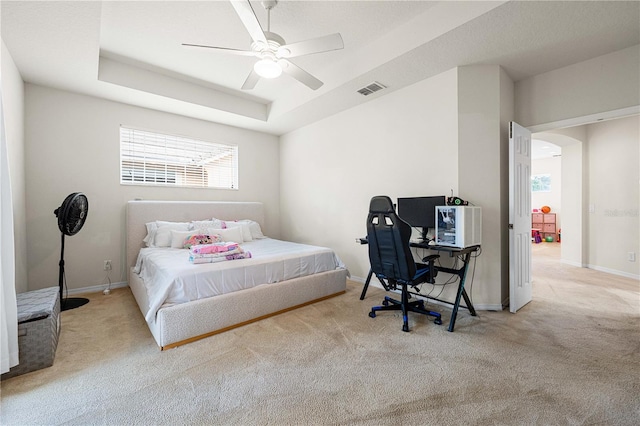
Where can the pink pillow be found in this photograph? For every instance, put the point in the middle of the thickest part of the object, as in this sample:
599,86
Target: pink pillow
201,239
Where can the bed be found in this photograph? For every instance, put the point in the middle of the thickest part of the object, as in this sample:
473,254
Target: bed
173,324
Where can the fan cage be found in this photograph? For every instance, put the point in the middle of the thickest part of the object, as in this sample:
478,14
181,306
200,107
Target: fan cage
73,213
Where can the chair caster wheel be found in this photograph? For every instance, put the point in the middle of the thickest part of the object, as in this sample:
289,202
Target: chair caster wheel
372,314
438,321
385,302
405,328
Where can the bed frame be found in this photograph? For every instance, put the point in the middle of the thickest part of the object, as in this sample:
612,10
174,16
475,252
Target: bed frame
183,323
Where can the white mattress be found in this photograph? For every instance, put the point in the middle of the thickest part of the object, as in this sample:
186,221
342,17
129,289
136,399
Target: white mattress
170,278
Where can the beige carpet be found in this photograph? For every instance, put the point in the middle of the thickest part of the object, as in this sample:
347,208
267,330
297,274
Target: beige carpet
569,357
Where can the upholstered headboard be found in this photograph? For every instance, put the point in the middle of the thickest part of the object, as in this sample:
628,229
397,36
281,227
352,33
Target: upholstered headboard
141,212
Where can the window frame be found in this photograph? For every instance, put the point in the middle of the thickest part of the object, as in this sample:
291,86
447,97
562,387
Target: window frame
159,159
541,179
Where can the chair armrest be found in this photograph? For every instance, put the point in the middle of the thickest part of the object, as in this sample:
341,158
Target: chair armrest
430,258
432,269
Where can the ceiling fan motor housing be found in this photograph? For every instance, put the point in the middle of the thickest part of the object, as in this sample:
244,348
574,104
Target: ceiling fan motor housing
274,41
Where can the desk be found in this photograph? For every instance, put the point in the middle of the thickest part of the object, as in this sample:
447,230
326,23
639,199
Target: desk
461,273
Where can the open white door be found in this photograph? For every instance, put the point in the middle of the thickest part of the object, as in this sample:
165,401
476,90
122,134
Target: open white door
519,217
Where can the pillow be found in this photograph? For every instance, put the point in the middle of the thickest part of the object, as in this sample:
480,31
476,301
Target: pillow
229,234
178,238
163,233
197,239
185,239
246,232
254,227
203,225
151,232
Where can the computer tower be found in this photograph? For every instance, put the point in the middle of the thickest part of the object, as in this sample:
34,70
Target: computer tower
458,226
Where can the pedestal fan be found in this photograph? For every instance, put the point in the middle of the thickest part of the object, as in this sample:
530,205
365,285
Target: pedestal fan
71,216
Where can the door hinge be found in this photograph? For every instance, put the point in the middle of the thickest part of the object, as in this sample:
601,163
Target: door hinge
511,226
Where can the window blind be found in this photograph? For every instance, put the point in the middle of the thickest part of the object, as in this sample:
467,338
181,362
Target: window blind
148,158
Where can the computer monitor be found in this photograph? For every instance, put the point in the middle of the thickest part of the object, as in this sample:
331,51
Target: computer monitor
420,212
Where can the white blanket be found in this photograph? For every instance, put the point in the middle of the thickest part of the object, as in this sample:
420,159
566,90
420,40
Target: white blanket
170,278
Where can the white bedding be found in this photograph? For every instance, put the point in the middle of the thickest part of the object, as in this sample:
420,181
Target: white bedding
170,278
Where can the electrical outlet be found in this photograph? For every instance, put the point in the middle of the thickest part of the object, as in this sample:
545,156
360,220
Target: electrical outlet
631,256
107,265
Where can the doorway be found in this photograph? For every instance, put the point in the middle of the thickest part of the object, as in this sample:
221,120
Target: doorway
546,197
598,170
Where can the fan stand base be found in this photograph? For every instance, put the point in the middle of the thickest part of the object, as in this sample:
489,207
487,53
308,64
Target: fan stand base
72,303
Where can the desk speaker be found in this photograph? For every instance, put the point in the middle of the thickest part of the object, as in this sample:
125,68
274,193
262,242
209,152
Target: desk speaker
456,201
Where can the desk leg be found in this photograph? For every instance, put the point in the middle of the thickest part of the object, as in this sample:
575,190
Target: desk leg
366,285
461,293
472,310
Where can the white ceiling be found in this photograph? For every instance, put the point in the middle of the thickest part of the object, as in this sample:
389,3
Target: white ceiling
542,149
131,51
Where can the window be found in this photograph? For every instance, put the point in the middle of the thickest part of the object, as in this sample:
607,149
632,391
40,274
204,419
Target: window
148,158
540,183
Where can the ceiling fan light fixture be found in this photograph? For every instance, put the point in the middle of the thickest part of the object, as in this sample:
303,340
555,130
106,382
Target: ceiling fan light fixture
267,68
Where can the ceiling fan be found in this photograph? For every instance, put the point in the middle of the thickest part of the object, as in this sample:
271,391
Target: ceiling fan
273,51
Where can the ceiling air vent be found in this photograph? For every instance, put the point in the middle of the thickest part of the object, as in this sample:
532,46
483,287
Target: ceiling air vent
371,88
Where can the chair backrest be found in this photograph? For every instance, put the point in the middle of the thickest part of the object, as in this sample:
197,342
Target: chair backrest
388,239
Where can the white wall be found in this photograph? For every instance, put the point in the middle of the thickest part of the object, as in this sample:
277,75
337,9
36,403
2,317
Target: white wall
553,167
507,106
485,107
606,83
438,135
402,144
72,144
13,103
613,190
573,183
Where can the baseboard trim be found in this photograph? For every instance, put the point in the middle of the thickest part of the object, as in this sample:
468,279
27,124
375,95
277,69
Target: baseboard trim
358,279
601,269
572,263
488,307
614,272
96,288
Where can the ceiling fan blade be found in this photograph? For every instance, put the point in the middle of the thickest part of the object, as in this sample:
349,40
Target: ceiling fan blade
251,81
249,20
221,49
316,45
299,74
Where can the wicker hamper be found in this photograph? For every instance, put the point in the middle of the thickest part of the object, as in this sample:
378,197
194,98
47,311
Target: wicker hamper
38,330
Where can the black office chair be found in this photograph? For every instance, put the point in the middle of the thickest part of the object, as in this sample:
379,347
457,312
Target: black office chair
392,260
